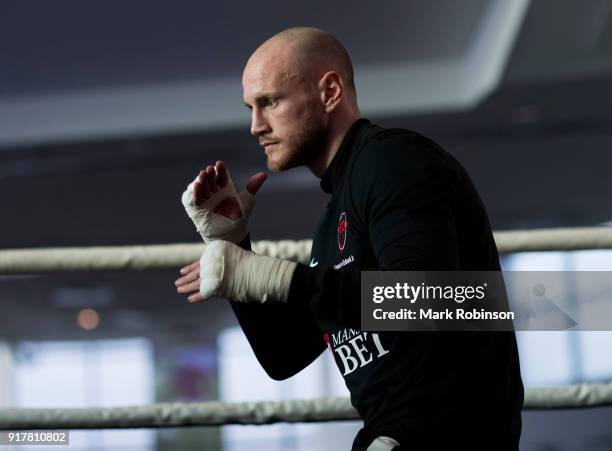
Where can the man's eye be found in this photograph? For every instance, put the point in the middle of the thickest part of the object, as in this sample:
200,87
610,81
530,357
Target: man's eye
271,103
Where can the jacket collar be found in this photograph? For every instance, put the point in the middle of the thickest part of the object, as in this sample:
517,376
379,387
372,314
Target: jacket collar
335,170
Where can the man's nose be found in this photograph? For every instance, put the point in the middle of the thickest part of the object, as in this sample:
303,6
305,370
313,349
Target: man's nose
259,125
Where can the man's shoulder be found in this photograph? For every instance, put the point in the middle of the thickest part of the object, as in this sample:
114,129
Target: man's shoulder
384,146
375,134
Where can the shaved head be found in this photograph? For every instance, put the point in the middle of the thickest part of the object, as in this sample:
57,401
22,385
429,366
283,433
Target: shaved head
313,52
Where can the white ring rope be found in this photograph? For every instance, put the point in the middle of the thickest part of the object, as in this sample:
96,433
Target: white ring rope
157,256
257,413
176,255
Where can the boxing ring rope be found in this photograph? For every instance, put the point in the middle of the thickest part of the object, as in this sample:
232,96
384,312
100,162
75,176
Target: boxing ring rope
216,413
171,256
264,412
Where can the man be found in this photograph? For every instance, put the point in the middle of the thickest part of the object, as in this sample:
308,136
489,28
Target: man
398,202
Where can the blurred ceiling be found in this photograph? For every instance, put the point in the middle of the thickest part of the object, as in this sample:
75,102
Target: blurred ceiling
108,109
75,71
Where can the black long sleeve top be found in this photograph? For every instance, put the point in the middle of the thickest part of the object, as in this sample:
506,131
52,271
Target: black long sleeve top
398,202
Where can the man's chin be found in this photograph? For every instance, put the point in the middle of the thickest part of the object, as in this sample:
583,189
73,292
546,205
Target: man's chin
279,165
283,159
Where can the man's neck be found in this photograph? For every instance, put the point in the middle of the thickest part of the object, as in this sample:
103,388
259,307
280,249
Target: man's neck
336,135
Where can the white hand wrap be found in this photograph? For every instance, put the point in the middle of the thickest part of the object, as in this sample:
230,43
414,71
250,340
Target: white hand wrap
229,271
383,443
213,226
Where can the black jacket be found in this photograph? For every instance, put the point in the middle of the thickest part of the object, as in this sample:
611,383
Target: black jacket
398,202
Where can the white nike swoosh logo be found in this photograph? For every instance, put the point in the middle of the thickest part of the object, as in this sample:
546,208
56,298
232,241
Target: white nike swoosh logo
313,263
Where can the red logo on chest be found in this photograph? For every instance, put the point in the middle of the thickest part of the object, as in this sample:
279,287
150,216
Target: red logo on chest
342,226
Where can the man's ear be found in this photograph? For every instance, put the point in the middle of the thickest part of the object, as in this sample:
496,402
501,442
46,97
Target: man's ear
331,89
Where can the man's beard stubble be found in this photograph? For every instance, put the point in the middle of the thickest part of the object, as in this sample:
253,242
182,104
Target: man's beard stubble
305,148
